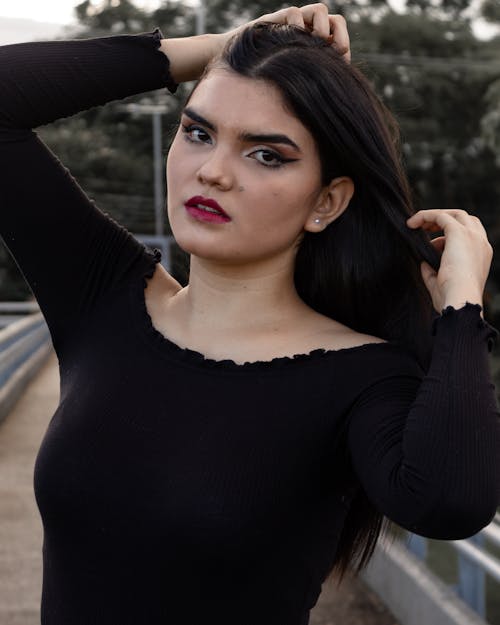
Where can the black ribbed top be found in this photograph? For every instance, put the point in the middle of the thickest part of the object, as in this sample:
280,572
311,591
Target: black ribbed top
179,490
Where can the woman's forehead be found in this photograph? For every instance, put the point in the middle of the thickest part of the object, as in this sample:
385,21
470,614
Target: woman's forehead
224,89
245,105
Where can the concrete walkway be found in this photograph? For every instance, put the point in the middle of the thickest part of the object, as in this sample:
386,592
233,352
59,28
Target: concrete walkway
20,525
21,530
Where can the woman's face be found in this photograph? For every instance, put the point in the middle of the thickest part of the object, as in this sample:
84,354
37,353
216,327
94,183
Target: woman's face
239,149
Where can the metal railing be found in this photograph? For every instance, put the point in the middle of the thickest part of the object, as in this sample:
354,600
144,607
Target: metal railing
13,311
475,562
24,344
18,307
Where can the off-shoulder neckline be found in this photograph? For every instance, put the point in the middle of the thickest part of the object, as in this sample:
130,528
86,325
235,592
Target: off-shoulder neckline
192,357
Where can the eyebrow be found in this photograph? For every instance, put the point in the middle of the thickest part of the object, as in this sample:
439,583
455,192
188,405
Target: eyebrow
245,136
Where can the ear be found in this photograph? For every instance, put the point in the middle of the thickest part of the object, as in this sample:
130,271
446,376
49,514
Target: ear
332,202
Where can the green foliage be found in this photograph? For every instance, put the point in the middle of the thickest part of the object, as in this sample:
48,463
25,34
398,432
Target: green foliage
490,122
451,7
490,10
415,35
111,16
441,83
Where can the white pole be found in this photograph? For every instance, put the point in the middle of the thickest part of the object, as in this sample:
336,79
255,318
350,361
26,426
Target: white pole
158,172
156,111
200,18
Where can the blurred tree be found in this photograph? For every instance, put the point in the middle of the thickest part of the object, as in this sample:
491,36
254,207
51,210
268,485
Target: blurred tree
453,8
111,16
441,83
490,122
490,10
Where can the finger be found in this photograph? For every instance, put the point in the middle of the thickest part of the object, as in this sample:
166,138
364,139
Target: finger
446,219
338,29
477,224
438,243
428,226
459,214
316,18
435,219
294,17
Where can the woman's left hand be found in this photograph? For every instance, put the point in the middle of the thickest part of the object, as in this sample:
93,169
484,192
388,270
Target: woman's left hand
466,256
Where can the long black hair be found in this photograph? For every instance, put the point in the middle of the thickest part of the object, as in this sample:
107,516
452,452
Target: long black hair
362,270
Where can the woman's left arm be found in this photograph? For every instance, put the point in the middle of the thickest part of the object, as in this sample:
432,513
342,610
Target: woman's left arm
427,451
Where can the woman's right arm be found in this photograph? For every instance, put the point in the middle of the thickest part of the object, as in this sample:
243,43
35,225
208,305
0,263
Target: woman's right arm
70,252
189,55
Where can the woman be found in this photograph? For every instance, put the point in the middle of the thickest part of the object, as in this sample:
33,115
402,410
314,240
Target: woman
219,449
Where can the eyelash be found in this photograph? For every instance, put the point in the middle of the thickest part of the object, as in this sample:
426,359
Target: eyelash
187,129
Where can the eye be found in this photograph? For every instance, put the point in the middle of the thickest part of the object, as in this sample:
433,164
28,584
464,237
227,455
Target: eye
268,158
195,134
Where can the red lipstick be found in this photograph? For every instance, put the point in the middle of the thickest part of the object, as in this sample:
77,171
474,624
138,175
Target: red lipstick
206,209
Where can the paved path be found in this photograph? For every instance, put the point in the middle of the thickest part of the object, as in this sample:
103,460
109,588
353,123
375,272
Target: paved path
21,532
20,526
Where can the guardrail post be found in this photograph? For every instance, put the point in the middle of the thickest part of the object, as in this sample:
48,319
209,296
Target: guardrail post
24,346
471,580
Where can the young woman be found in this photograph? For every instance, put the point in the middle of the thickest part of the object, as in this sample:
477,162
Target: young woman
219,449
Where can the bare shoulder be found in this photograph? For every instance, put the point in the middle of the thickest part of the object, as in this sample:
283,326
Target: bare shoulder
356,339
336,335
161,285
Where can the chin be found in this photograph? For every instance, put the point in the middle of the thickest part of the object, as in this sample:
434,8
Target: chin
208,250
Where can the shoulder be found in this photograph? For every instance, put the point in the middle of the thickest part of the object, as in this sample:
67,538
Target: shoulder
337,336
347,338
381,358
162,284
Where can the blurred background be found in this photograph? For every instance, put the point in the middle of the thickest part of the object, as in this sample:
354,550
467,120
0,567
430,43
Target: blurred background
435,63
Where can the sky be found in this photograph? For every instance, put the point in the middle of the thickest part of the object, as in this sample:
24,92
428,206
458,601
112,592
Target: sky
61,11
54,11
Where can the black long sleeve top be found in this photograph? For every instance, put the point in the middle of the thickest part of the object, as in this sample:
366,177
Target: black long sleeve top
175,489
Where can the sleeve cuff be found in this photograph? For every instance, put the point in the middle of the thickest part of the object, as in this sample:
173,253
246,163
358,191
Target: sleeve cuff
468,315
170,84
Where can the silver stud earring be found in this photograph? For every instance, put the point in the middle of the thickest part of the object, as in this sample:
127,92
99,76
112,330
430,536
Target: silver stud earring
317,221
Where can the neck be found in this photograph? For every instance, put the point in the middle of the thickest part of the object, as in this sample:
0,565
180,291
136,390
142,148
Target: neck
240,298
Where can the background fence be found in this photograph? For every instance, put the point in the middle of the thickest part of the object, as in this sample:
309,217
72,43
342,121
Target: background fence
24,346
436,582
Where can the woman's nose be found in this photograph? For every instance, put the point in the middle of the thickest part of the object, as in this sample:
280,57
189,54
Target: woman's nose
216,171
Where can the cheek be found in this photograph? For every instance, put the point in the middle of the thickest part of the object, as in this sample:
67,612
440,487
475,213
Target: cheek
174,181
284,205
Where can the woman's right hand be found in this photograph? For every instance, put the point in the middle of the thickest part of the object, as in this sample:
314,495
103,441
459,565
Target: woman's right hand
189,55
314,18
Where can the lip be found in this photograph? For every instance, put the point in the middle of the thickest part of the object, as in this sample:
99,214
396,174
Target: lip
193,208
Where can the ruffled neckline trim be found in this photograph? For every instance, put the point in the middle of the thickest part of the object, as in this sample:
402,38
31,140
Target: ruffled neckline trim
470,312
194,358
